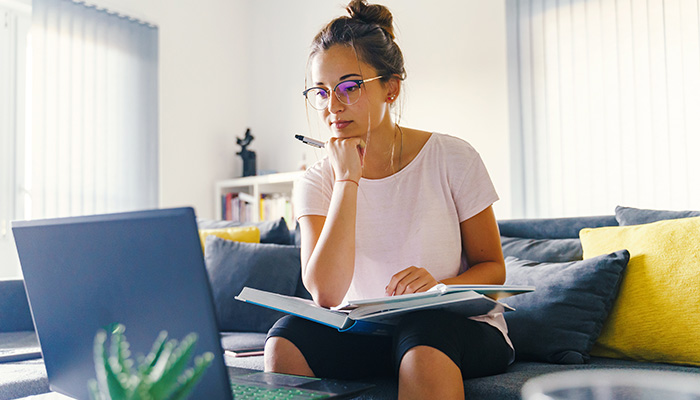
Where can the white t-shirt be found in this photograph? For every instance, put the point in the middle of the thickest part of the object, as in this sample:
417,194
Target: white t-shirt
410,218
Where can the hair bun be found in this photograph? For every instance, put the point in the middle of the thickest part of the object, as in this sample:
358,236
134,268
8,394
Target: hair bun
372,14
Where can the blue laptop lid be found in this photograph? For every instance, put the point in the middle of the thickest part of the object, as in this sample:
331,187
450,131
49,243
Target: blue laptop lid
142,269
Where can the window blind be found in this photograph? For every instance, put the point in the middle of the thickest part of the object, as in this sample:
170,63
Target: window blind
93,145
606,106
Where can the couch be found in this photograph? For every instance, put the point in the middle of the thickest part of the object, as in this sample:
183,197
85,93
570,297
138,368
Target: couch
568,323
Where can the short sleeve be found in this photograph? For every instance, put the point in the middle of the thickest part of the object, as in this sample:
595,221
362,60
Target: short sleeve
312,192
473,190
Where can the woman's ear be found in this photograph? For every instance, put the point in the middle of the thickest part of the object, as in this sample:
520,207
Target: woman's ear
393,89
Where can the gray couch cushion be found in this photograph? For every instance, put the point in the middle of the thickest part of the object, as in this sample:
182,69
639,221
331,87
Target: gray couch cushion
542,250
234,265
21,379
14,308
562,318
637,216
507,386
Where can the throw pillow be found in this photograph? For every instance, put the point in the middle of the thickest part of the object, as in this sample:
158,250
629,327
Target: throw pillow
275,231
636,216
543,250
248,234
234,265
562,318
655,316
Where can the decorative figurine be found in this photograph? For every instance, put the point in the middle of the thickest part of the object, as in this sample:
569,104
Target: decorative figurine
247,155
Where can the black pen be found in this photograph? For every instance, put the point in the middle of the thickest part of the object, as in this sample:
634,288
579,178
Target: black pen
310,142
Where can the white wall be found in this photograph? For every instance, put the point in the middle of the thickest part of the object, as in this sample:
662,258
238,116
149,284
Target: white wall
227,65
455,53
203,76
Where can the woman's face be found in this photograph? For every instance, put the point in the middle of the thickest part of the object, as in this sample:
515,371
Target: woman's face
337,64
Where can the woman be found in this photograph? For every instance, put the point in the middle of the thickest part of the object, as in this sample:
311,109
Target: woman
390,211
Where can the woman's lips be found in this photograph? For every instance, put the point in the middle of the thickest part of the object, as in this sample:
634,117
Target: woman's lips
340,124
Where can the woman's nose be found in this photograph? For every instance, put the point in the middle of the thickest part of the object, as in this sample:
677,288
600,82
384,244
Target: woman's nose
334,105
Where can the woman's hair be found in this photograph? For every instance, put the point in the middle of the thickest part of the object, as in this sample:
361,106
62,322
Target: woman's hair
369,30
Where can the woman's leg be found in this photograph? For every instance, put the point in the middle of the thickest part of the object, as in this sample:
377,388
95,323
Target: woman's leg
427,373
436,351
283,357
300,347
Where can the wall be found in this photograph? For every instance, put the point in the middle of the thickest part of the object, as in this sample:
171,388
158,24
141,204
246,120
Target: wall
229,65
455,55
203,74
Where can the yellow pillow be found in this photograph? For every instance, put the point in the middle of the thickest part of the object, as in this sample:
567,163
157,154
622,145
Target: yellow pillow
655,317
249,234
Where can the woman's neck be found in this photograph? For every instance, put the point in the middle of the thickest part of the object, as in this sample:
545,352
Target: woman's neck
383,155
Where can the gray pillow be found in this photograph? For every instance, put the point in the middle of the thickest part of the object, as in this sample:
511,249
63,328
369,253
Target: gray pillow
543,250
562,318
270,231
234,265
637,216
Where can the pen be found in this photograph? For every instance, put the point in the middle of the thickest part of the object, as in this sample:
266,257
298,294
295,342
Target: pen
310,142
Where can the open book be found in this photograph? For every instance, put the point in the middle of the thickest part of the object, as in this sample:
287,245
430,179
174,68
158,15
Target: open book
377,316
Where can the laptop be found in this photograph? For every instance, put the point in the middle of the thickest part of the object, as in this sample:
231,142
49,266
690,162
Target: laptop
144,270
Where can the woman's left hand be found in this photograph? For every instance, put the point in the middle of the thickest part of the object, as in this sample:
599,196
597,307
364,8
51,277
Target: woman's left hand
410,280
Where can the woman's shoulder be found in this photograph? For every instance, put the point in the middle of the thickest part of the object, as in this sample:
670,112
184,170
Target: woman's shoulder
451,148
452,142
317,173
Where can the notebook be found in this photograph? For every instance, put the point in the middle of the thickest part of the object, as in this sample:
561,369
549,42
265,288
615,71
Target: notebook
144,270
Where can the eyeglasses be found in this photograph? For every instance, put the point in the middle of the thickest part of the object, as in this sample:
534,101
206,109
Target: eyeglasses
348,92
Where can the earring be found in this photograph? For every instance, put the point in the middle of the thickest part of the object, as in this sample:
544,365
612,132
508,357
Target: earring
391,98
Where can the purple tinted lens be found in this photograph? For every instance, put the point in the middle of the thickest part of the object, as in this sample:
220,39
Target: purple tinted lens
348,92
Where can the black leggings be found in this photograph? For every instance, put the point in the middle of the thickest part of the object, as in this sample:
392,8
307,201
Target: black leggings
477,348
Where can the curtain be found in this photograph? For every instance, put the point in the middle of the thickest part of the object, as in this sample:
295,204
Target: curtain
608,100
93,143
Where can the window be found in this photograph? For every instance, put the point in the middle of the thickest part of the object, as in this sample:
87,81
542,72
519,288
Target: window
15,20
605,103
81,136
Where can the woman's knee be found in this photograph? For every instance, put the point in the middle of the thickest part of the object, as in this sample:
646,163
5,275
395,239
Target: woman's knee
282,356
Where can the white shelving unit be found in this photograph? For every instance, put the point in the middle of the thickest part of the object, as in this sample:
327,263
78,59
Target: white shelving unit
256,186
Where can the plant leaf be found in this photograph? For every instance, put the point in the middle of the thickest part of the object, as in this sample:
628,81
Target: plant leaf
177,362
191,377
149,362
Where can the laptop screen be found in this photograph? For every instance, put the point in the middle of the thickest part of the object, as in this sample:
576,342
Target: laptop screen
144,270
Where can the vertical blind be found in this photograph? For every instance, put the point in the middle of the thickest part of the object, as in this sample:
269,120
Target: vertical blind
93,144
608,108
8,113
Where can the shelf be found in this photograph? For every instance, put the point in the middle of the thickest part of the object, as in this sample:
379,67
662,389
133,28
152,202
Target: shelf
256,186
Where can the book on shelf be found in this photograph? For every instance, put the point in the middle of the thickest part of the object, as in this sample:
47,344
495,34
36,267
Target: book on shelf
276,206
377,316
238,207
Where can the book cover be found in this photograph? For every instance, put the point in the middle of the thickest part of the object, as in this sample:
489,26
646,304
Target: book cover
377,316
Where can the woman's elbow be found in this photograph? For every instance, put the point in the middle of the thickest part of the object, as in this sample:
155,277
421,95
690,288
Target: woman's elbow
327,300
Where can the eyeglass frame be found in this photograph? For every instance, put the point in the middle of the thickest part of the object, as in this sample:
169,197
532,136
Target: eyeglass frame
359,83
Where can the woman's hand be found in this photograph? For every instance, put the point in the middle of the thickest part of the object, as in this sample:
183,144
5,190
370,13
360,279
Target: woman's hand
410,280
346,157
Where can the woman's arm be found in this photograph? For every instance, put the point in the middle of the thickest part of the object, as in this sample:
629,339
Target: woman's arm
328,245
481,242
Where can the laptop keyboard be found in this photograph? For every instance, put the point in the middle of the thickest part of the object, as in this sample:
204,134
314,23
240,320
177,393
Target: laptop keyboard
243,391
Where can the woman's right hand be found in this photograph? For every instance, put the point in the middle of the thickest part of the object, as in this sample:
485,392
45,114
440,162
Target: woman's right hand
346,155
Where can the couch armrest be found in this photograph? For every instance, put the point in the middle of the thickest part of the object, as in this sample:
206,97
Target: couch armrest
14,307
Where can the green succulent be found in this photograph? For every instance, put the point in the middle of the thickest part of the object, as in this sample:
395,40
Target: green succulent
161,375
